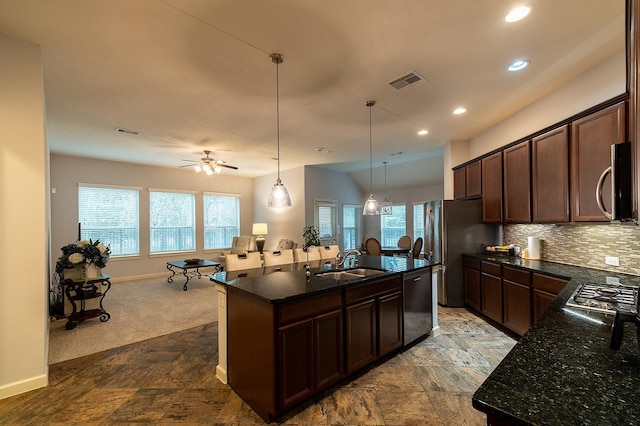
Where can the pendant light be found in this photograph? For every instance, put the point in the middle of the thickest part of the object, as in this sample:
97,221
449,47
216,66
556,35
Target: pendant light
279,196
371,207
385,205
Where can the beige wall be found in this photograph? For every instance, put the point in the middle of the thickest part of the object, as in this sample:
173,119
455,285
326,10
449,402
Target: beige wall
68,171
24,216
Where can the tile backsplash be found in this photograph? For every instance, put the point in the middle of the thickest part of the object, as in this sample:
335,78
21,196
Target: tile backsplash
583,245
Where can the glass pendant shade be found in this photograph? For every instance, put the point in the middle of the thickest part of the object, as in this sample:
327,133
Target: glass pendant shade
385,206
371,207
279,196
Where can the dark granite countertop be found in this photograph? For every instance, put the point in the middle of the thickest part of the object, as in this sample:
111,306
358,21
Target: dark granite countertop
288,282
562,371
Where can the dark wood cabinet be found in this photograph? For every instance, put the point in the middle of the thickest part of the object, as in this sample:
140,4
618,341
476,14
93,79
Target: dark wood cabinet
517,183
545,290
296,376
459,183
492,188
550,176
516,288
471,277
591,140
467,181
373,321
491,290
328,348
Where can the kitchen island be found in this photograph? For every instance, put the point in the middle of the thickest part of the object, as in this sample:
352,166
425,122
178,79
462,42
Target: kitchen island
290,337
562,371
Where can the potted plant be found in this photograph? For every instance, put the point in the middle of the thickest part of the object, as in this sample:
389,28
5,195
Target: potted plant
83,259
311,236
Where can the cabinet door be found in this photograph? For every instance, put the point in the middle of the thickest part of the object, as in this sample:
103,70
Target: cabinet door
459,184
517,183
541,301
551,176
591,140
296,381
328,348
389,323
492,188
361,334
517,306
491,291
473,179
472,288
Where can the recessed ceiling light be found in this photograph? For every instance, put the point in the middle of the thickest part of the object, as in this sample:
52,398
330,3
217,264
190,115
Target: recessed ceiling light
518,13
459,111
423,132
518,65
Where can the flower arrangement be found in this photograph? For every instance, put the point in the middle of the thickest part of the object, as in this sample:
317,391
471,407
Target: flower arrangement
83,253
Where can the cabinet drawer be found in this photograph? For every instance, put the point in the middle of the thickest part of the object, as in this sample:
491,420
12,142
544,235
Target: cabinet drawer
549,284
471,262
308,307
490,268
516,275
369,290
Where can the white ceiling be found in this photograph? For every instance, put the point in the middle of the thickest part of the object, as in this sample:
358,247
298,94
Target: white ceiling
191,75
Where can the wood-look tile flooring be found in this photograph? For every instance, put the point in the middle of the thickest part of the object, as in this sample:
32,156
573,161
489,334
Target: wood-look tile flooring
171,379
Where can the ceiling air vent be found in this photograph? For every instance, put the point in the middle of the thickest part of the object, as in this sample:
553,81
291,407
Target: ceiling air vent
127,131
406,81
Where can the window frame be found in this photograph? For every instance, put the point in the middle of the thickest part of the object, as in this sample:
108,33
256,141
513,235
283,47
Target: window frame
194,246
205,227
392,241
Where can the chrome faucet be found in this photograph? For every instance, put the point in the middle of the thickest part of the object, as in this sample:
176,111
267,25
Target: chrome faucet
344,259
306,266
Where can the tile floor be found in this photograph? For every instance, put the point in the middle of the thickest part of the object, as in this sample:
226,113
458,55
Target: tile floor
171,379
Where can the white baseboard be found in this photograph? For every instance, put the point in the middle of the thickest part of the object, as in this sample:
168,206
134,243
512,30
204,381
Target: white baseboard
23,386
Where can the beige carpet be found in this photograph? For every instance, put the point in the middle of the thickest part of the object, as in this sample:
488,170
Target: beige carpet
140,310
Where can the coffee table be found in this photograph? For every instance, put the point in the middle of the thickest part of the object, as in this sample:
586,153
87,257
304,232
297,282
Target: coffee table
190,270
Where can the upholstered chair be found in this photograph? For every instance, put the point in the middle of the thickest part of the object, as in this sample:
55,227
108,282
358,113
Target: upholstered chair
417,248
300,255
239,245
277,257
404,241
372,247
329,252
234,262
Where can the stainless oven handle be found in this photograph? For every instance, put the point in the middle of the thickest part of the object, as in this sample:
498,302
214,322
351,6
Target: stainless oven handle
599,193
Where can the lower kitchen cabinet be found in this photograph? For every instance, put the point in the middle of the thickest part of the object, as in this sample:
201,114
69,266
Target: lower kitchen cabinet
373,321
516,288
512,296
491,290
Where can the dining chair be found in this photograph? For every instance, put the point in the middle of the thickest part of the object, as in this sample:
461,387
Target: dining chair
277,257
404,241
300,255
417,248
234,262
373,247
329,252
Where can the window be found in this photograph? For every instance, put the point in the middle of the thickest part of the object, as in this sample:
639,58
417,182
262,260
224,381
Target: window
172,221
110,214
393,226
221,220
351,225
418,221
325,220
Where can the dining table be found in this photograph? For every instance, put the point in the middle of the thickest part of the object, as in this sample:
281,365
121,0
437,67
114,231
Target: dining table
394,250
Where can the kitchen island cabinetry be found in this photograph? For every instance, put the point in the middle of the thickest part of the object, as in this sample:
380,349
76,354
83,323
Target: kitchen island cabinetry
517,183
550,176
591,140
492,188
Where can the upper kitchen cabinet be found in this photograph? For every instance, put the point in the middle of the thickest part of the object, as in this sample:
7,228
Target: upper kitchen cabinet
467,181
517,183
492,188
550,176
591,140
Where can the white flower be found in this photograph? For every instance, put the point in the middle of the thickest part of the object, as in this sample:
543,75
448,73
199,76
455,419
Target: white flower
83,243
102,248
76,258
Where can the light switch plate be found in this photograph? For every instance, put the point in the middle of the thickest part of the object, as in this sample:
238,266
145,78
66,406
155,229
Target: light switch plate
611,260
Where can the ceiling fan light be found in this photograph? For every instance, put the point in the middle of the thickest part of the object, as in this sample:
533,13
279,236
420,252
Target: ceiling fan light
371,207
209,172
217,169
198,168
279,196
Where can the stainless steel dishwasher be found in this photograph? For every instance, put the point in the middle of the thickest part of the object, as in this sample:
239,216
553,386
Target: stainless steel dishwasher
418,305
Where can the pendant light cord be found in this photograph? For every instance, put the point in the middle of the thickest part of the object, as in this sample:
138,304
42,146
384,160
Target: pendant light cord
278,113
370,104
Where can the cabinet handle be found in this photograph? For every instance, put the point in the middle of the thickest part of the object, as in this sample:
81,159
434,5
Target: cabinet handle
417,279
599,193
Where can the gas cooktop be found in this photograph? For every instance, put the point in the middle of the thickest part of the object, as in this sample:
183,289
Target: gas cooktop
606,298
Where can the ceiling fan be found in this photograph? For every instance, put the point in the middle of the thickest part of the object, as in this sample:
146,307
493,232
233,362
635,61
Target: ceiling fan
209,165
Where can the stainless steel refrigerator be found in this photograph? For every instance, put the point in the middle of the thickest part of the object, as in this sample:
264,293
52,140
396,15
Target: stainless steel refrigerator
451,229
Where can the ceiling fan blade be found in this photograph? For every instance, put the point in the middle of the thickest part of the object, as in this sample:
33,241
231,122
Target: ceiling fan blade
227,166
187,165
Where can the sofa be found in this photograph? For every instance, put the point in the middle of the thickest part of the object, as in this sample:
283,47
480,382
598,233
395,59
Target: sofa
239,245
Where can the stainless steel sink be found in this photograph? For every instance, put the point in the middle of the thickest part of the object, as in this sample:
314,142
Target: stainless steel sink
350,274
